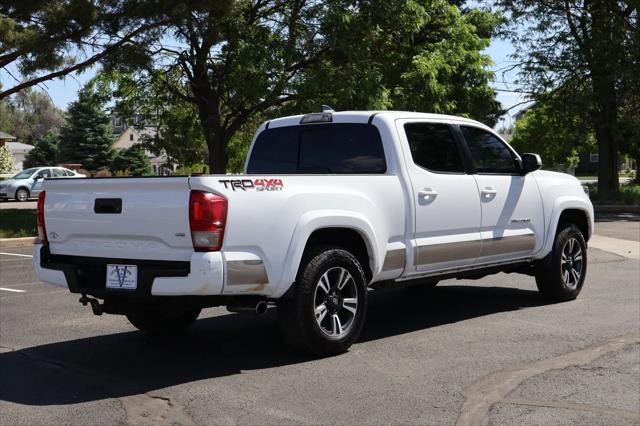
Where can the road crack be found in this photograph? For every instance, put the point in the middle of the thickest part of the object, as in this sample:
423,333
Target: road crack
629,415
493,388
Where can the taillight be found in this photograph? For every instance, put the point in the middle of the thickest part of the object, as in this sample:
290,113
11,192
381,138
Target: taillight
42,230
207,219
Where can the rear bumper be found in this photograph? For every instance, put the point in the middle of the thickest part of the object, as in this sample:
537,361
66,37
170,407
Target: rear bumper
203,275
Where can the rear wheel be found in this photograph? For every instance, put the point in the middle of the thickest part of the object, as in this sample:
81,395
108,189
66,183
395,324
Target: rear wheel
327,311
155,321
22,194
561,274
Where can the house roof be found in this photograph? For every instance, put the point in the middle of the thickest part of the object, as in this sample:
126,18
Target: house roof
19,147
4,135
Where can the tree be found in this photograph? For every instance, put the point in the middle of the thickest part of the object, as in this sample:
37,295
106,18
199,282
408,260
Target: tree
557,136
132,161
44,153
6,160
47,39
86,137
560,43
29,115
234,60
407,55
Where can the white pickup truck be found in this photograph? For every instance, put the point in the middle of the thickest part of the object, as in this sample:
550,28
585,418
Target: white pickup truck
331,205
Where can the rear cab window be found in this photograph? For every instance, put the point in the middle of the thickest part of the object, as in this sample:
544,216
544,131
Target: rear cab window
336,148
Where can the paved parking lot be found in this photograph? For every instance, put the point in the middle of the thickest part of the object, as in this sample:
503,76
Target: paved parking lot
466,352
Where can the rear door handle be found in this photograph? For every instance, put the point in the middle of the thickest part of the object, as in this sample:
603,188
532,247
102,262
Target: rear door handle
428,193
489,191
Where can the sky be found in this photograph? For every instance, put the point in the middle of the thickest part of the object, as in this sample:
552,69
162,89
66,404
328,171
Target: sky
64,91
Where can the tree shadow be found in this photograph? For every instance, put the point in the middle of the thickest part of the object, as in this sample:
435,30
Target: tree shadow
131,363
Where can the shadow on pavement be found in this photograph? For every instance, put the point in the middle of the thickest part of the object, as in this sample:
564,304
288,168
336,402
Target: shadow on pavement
131,363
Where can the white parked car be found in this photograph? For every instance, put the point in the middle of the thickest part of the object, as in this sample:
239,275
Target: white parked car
331,205
28,183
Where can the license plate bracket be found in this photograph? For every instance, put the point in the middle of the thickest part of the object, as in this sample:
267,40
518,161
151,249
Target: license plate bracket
122,277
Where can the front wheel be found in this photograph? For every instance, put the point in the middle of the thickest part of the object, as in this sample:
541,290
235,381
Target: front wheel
22,194
155,321
561,274
327,310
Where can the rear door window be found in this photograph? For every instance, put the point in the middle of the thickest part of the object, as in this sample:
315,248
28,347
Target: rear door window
319,149
433,147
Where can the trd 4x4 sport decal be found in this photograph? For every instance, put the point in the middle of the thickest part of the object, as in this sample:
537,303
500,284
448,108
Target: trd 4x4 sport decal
257,184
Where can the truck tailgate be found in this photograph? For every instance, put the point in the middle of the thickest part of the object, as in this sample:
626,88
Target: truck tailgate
124,218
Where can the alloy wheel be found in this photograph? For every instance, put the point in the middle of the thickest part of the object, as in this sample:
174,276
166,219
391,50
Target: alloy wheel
335,302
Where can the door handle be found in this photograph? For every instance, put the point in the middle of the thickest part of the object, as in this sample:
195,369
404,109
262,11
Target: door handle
428,193
487,192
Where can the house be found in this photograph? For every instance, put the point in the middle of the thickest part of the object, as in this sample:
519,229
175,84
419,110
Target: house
6,137
134,131
18,150
588,164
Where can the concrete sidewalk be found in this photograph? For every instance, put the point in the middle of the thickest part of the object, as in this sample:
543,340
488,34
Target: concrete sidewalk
626,248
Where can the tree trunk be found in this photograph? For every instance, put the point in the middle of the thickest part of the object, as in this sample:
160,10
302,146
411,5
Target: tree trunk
603,62
217,145
218,154
215,137
637,178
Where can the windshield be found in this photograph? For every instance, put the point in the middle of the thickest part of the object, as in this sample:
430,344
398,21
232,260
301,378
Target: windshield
25,174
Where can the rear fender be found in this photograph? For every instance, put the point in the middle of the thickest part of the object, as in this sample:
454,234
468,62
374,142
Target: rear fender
314,220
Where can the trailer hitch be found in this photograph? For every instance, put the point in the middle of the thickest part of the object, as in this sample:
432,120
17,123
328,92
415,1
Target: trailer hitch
96,307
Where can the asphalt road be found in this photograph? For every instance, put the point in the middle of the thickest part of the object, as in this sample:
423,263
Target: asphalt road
466,352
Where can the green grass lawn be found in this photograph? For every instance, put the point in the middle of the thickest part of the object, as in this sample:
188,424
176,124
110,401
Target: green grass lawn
18,223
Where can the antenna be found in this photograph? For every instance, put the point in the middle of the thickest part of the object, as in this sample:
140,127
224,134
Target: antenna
327,108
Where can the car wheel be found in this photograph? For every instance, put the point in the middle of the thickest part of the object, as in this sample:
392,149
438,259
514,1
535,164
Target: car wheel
326,312
561,274
22,194
158,322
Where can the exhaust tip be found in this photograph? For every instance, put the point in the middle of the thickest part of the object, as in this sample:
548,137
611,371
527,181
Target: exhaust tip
261,307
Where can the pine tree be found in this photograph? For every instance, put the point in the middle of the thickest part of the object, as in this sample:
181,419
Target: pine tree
86,137
45,152
132,161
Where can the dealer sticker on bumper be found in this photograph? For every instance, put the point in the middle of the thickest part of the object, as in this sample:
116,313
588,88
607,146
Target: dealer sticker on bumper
123,277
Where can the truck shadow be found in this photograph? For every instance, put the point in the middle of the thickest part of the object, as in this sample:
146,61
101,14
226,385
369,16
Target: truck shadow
130,363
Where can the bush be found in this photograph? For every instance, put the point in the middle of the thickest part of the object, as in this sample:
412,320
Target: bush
7,163
103,173
132,161
629,194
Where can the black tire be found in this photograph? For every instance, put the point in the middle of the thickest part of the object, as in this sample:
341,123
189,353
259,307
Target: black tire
157,322
302,323
556,274
22,194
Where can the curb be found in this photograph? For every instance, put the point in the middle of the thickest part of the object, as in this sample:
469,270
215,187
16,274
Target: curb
18,242
610,208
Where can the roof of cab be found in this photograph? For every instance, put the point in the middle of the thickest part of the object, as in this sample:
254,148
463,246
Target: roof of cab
365,116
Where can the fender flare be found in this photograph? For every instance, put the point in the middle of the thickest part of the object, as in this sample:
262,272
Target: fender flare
560,205
315,220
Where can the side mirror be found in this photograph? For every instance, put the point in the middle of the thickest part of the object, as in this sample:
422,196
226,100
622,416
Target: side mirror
37,178
531,163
